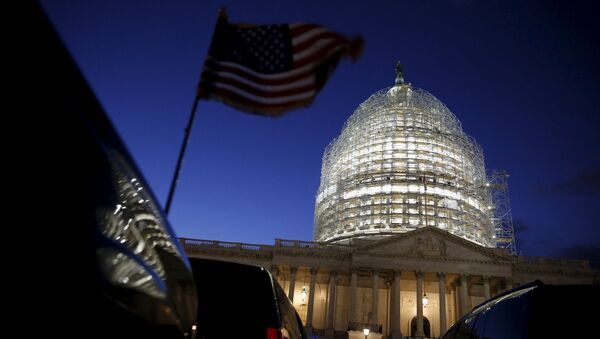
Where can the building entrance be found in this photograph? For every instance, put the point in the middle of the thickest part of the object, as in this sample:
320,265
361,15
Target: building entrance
426,327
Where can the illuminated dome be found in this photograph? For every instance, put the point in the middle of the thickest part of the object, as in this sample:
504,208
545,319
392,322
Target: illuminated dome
402,162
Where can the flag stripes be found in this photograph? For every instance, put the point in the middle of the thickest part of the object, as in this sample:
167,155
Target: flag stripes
271,69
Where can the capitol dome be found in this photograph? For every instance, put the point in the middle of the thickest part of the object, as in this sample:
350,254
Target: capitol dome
403,162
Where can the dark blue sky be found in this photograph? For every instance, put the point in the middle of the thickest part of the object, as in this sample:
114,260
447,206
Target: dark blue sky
522,76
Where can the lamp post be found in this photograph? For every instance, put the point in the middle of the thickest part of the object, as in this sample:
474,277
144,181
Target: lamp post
366,331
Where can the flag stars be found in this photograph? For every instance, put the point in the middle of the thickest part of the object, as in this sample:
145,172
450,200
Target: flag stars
262,48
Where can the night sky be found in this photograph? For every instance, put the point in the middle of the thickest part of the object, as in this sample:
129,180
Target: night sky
522,77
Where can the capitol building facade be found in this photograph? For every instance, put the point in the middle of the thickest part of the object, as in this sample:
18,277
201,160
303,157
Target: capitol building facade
407,235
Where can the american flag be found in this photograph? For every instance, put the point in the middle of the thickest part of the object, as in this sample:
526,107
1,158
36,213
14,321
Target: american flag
271,69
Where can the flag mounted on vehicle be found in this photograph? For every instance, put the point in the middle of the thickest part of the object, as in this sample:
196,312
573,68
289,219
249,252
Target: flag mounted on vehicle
271,69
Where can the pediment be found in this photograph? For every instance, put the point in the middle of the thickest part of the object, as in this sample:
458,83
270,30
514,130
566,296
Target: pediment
429,242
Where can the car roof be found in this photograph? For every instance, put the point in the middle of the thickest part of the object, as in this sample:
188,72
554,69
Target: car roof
236,286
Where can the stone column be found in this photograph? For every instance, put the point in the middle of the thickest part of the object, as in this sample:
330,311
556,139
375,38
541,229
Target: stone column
464,295
487,293
442,284
329,325
292,283
457,298
375,309
395,325
420,332
454,302
311,298
353,285
275,272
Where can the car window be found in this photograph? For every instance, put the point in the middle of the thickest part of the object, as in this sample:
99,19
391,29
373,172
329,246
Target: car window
507,319
234,300
478,327
289,318
451,332
465,328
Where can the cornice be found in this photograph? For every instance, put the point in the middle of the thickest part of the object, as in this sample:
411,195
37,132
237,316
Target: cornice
335,255
436,258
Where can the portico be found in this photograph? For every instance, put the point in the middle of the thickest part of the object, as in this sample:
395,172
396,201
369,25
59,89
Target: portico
381,283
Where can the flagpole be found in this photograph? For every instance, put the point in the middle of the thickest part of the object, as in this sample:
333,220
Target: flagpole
200,92
186,138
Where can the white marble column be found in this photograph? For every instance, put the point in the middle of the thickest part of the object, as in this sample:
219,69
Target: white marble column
442,288
375,308
292,283
329,325
420,332
395,326
464,295
311,297
353,286
486,288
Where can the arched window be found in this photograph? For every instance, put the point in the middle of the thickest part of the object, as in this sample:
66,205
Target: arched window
426,327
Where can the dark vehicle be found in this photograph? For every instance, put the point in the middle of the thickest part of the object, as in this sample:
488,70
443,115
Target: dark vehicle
242,301
110,265
533,310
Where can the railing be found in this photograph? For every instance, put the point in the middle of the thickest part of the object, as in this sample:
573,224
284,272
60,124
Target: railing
197,243
191,244
308,244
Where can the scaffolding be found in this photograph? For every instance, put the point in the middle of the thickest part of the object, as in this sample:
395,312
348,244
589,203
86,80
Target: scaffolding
504,231
402,162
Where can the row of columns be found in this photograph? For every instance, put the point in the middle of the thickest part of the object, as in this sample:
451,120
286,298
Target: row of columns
395,329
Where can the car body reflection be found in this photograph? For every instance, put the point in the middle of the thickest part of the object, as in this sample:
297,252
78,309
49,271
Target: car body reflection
114,267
